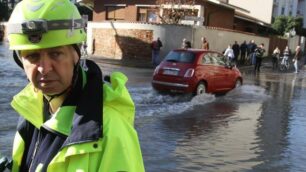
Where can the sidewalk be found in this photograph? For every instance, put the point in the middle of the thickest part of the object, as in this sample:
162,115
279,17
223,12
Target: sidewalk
266,63
123,62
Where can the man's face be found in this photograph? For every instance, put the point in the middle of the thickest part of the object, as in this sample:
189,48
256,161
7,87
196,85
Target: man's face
50,70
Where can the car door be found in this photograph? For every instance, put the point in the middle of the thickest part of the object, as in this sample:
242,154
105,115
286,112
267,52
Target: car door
206,71
227,72
219,73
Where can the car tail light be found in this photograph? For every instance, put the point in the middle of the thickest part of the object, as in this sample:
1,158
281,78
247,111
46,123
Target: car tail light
156,70
189,73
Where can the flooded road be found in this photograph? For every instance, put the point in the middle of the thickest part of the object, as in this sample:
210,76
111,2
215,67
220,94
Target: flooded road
257,127
12,80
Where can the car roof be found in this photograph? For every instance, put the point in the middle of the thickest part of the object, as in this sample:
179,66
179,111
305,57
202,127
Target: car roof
194,50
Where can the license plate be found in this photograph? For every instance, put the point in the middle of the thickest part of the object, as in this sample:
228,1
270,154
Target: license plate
170,72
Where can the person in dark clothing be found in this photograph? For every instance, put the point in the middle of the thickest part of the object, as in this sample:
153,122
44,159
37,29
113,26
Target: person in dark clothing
259,52
249,47
236,50
243,50
186,44
253,47
156,45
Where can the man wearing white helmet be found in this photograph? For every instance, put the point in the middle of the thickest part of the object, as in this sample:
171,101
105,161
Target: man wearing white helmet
70,120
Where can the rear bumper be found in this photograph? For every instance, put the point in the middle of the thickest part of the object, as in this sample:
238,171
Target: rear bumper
177,85
180,87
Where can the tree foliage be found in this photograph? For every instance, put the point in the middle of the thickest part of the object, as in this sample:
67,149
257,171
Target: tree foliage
174,13
179,2
284,24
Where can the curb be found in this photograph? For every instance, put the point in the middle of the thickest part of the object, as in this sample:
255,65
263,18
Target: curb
123,62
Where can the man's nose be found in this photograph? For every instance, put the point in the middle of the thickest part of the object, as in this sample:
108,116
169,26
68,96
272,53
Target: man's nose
44,64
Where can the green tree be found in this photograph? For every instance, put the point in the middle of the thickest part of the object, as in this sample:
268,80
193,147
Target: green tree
284,24
175,15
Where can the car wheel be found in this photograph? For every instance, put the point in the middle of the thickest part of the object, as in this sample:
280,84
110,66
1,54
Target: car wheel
238,83
201,88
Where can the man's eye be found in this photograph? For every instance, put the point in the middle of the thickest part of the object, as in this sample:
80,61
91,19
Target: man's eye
54,54
32,57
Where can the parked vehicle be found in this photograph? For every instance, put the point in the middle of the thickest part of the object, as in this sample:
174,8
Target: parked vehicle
195,71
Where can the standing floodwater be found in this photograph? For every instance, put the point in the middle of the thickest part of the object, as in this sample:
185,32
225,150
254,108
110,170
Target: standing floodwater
12,80
253,128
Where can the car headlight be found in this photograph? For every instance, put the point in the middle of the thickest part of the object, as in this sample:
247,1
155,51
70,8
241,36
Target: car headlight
189,73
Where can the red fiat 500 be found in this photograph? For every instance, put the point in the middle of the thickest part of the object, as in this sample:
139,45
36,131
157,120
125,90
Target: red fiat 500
195,71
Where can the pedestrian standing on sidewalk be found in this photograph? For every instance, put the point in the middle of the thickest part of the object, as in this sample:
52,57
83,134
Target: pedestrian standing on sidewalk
253,55
259,52
185,44
249,49
296,59
236,49
155,46
70,120
205,44
229,53
243,50
275,58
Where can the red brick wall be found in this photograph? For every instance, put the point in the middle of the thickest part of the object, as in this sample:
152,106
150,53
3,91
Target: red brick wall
131,13
129,43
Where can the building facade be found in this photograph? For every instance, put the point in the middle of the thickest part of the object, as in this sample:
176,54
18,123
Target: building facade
212,13
208,13
257,9
293,8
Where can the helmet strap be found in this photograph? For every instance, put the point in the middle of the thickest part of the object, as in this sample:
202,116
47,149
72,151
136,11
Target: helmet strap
16,56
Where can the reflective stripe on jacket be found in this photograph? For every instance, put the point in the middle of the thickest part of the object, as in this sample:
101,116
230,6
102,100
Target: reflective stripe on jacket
117,150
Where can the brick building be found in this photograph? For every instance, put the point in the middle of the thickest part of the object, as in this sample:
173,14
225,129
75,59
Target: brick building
125,29
210,13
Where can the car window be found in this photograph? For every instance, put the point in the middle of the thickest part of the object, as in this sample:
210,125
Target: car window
180,56
220,59
209,59
206,59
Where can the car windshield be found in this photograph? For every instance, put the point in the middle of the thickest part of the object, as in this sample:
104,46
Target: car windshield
180,56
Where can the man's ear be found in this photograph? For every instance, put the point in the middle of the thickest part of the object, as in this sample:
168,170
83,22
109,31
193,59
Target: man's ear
76,57
74,54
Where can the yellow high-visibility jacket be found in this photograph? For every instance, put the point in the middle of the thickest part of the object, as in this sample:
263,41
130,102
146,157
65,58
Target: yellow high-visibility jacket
117,150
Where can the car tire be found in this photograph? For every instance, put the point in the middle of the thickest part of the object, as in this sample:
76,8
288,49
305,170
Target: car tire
201,88
238,83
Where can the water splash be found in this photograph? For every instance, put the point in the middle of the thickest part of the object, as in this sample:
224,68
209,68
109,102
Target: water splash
247,93
150,103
